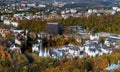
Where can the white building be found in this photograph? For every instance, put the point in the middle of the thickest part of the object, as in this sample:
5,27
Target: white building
73,10
94,37
7,22
15,24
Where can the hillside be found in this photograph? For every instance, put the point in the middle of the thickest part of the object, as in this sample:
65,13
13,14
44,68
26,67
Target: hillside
13,62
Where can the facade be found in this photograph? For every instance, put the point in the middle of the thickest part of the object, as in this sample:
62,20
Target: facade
54,28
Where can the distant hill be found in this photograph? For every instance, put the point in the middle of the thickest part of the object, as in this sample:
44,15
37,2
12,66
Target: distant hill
66,0
79,0
62,0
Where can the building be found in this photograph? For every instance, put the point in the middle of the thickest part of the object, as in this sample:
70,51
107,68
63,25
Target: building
7,22
54,28
112,67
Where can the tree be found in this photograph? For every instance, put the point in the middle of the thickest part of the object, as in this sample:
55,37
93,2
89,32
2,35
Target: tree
101,39
87,66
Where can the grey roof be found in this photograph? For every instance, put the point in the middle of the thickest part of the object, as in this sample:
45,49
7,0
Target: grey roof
112,67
